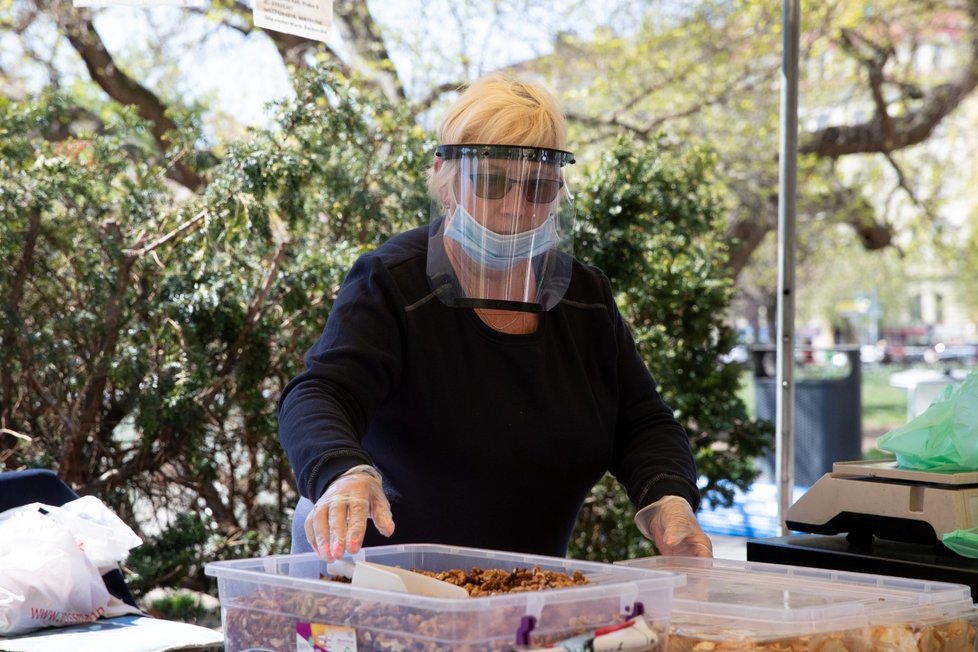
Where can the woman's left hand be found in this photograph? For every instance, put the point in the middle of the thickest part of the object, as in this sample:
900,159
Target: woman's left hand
673,528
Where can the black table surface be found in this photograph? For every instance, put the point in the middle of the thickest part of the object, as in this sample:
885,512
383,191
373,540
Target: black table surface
880,557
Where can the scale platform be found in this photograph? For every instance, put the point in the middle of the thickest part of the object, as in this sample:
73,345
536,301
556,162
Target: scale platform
875,498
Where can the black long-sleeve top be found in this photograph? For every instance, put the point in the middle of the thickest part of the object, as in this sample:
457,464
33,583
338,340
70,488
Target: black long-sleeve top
484,439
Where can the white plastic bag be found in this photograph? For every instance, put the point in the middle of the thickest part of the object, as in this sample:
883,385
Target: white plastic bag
45,578
52,560
103,536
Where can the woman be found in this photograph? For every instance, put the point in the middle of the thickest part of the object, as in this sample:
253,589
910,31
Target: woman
474,381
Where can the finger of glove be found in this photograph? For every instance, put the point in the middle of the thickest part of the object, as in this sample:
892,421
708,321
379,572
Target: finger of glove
371,489
355,526
338,523
317,531
673,534
692,546
380,512
681,535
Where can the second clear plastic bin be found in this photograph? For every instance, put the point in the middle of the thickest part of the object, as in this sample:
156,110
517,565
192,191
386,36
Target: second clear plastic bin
730,605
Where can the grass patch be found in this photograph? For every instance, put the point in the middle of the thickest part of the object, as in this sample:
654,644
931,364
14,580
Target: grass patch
186,607
884,406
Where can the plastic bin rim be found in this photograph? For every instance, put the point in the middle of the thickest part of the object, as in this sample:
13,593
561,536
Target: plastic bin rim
923,591
643,579
763,628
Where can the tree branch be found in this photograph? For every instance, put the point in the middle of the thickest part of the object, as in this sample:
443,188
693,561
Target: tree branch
878,135
144,460
904,185
434,95
175,233
11,339
52,404
752,220
73,463
874,63
91,400
653,125
78,27
254,311
219,510
25,261
370,57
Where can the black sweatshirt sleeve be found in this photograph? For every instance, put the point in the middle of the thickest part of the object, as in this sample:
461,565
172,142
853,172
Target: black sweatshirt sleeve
652,454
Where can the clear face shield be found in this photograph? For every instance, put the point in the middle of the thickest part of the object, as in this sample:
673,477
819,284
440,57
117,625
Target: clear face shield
501,227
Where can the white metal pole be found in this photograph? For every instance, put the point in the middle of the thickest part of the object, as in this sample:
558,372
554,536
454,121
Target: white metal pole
787,185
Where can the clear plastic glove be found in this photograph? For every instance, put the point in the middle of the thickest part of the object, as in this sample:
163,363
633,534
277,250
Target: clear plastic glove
671,525
338,521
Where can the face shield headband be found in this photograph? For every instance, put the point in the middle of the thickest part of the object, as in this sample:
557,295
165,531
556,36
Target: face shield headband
501,233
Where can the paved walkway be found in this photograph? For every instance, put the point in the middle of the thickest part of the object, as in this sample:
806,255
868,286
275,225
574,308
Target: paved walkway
727,547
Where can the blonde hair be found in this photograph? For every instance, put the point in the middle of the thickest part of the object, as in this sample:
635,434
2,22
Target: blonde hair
499,110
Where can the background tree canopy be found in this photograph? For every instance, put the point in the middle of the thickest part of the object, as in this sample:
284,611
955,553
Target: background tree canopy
879,81
170,266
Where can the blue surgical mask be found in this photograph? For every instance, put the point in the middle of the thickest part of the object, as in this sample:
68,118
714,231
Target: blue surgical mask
498,250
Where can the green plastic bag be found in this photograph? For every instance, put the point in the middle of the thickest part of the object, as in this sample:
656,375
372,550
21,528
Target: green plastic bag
944,437
963,542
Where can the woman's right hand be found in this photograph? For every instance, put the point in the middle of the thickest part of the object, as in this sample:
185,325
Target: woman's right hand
338,521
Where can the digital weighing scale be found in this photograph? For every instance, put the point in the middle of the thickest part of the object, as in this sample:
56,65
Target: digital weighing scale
872,517
870,498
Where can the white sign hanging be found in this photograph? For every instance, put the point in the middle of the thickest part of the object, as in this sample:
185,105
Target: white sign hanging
306,18
140,3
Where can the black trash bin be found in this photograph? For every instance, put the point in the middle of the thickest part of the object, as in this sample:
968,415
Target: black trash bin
828,414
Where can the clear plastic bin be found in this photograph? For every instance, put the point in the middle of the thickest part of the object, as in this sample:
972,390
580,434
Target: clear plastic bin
273,603
729,605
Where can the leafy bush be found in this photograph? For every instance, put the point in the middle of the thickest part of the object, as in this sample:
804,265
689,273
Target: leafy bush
145,334
648,218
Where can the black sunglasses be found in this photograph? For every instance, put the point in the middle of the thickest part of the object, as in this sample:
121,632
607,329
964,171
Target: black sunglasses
497,186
